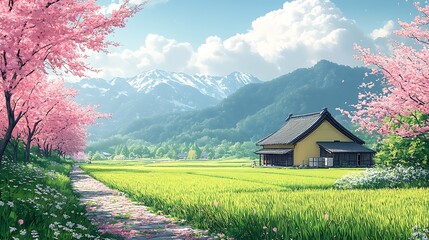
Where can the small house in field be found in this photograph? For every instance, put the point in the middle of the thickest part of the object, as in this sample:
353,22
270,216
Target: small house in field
315,140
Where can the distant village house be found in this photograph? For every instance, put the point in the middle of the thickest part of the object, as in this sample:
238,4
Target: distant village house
315,140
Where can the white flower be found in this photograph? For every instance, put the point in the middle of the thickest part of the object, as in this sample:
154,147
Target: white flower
77,235
23,232
12,229
10,204
81,227
52,226
1,203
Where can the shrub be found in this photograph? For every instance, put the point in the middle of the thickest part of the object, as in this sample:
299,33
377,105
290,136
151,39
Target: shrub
404,151
385,177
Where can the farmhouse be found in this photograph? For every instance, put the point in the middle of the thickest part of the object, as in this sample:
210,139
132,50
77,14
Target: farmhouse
315,140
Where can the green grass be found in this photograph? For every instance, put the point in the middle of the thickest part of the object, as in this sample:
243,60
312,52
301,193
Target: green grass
232,198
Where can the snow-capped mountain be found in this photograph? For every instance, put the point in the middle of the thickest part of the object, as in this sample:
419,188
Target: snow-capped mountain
155,92
216,87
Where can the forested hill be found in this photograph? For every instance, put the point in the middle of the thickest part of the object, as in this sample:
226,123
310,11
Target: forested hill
258,109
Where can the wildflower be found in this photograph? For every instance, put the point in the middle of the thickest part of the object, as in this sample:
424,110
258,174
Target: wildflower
23,232
10,204
326,216
1,204
81,227
215,203
12,229
34,234
52,226
20,221
69,224
275,229
264,227
77,235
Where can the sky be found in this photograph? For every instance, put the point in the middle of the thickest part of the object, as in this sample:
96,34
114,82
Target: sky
265,38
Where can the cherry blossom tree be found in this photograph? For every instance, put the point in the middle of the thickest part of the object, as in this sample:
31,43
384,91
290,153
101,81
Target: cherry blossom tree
65,129
403,105
50,97
37,35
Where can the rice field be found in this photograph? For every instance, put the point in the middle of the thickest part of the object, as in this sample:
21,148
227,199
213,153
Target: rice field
231,199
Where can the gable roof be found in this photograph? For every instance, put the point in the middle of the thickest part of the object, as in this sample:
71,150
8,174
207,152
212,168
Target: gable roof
344,147
298,127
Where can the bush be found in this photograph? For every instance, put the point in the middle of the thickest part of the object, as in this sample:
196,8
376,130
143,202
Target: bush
385,177
404,151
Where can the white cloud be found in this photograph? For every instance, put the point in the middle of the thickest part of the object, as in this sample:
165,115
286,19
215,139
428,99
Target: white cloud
157,52
115,4
384,32
150,2
298,35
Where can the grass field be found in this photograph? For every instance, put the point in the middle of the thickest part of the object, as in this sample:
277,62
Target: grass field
229,197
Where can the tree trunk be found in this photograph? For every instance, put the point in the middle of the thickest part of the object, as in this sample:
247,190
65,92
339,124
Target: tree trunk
27,149
15,145
11,124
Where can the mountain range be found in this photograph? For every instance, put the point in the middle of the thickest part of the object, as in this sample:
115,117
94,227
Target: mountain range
154,93
256,110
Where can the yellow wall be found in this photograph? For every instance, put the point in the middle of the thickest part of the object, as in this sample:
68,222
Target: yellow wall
307,147
280,146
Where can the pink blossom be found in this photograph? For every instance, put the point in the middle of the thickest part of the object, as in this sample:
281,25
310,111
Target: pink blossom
59,42
20,221
275,229
215,203
326,216
404,83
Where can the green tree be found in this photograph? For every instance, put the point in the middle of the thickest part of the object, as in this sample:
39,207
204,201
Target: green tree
197,151
222,150
118,149
159,152
89,155
172,154
97,156
405,151
192,154
125,151
236,150
248,149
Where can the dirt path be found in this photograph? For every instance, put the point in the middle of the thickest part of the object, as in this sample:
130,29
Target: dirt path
115,214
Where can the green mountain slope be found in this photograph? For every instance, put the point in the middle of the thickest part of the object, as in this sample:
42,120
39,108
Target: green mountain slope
258,109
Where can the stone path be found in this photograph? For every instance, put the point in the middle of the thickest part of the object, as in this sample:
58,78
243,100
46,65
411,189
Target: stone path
113,213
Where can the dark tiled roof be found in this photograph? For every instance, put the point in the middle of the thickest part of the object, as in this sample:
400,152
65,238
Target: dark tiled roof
299,126
344,147
279,151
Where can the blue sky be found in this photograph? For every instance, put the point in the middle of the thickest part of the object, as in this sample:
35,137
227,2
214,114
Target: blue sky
266,38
